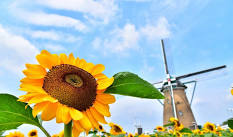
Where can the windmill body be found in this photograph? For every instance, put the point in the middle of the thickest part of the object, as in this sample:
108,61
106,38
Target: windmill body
176,103
183,109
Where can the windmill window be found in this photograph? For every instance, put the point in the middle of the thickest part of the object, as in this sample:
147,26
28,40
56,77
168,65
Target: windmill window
180,113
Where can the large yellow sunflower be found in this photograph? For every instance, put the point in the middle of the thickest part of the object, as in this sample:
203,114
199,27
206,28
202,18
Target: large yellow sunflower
67,88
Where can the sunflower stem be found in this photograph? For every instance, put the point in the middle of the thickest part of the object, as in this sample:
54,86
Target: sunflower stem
45,132
68,129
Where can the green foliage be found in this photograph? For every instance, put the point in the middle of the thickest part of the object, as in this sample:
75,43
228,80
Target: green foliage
14,114
129,84
121,135
230,123
186,130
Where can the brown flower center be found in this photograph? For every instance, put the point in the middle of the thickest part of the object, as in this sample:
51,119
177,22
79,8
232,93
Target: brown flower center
117,129
71,86
33,133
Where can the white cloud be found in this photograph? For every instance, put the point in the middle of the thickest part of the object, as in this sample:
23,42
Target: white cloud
45,35
45,19
121,40
51,35
130,110
96,43
161,30
15,51
102,9
55,48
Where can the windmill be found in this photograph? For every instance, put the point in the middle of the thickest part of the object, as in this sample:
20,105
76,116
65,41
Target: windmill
176,103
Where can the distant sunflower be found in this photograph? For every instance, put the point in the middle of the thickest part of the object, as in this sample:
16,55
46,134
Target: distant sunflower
100,128
67,88
210,127
178,134
61,134
130,135
116,129
177,125
196,131
15,134
33,133
160,128
232,90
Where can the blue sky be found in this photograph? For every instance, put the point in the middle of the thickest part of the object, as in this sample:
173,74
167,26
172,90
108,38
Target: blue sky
125,36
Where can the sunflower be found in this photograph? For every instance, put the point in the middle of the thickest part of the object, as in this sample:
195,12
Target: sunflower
33,133
130,135
116,129
143,135
177,125
232,90
178,134
15,134
210,127
68,89
160,128
100,128
219,128
61,134
196,131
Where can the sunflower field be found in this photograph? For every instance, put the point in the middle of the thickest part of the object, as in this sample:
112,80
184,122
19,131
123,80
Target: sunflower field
77,93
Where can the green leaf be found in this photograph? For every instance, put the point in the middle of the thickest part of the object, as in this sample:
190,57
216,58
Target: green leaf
186,130
169,124
129,84
230,123
14,114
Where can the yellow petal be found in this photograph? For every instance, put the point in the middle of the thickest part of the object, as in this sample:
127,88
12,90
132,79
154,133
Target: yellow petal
76,132
232,91
100,76
47,60
100,91
63,59
77,125
97,115
59,113
66,115
88,67
33,82
75,114
81,63
31,88
91,118
104,83
102,108
99,68
49,112
39,107
105,98
42,98
27,97
71,59
45,52
85,123
33,74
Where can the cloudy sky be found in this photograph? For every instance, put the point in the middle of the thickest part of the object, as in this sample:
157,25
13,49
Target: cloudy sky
125,35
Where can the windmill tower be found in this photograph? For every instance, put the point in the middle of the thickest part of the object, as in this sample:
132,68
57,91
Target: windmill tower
176,103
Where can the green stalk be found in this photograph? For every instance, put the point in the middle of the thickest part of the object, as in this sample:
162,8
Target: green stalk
45,132
68,129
